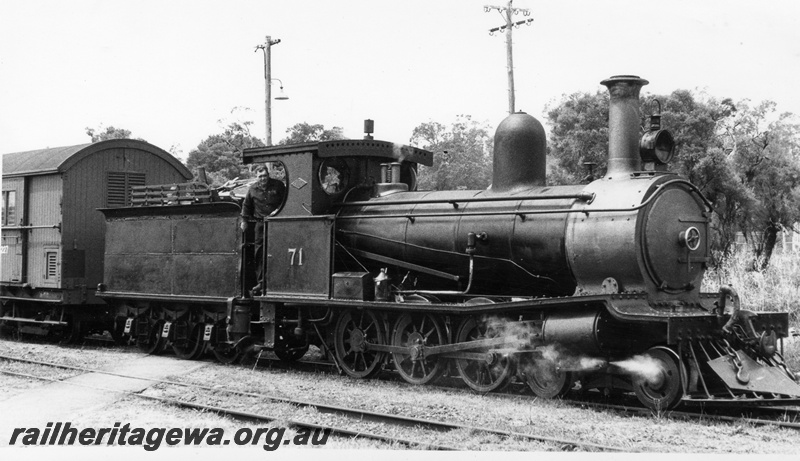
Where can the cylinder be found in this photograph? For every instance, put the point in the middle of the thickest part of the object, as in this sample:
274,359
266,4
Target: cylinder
573,330
519,153
623,125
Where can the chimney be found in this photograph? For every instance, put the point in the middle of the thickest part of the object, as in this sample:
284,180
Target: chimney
623,125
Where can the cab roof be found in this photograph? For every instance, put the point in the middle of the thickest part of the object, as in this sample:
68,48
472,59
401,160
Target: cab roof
346,148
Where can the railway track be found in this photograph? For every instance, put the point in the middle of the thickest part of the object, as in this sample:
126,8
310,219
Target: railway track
785,417
782,416
779,416
429,431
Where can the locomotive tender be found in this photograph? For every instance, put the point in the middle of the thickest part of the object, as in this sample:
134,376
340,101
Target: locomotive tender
552,284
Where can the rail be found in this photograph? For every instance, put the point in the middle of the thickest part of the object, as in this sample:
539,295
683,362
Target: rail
352,415
522,214
583,197
43,226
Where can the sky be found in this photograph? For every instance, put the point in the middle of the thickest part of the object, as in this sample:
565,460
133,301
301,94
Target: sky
174,72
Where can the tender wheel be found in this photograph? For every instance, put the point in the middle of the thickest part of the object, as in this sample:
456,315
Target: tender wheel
414,332
544,377
482,375
117,331
148,336
661,389
353,331
188,343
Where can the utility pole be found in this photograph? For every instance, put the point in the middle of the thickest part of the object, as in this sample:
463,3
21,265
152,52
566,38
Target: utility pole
507,12
268,83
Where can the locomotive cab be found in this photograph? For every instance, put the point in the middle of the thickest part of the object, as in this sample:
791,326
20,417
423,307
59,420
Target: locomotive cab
321,174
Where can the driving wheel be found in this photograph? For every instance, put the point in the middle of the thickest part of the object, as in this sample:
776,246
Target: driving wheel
485,375
415,332
354,330
545,378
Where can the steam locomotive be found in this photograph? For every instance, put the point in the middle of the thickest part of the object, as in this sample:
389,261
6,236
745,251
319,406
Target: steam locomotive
594,285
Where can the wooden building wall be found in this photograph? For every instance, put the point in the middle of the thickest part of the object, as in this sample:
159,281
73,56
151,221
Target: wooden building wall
44,245
86,189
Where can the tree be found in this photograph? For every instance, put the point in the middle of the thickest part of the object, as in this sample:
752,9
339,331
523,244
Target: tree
305,132
102,134
221,154
747,167
695,122
463,154
579,134
765,147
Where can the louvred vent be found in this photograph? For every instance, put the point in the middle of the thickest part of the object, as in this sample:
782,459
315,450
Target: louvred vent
118,187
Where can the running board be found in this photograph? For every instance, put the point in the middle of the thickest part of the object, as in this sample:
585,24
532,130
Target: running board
40,322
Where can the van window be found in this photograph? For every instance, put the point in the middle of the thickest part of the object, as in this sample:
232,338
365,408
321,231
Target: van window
9,207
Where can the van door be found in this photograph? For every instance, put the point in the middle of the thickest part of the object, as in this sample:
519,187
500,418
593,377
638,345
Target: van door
11,242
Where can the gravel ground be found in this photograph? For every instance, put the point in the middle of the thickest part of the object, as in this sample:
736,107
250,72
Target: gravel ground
541,417
95,357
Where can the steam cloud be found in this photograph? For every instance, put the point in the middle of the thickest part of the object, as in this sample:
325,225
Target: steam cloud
399,152
639,366
555,353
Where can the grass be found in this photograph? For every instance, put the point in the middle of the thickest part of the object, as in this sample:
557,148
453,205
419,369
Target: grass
777,288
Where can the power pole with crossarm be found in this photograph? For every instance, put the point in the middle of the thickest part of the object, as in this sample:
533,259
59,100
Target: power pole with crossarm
507,12
268,43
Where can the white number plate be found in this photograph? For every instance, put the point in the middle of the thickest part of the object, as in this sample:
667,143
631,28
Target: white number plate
165,331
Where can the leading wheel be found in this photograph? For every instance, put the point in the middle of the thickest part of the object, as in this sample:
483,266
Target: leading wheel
415,332
545,378
354,330
661,386
482,375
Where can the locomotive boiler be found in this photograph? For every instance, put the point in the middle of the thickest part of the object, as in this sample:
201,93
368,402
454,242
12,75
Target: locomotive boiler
559,287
